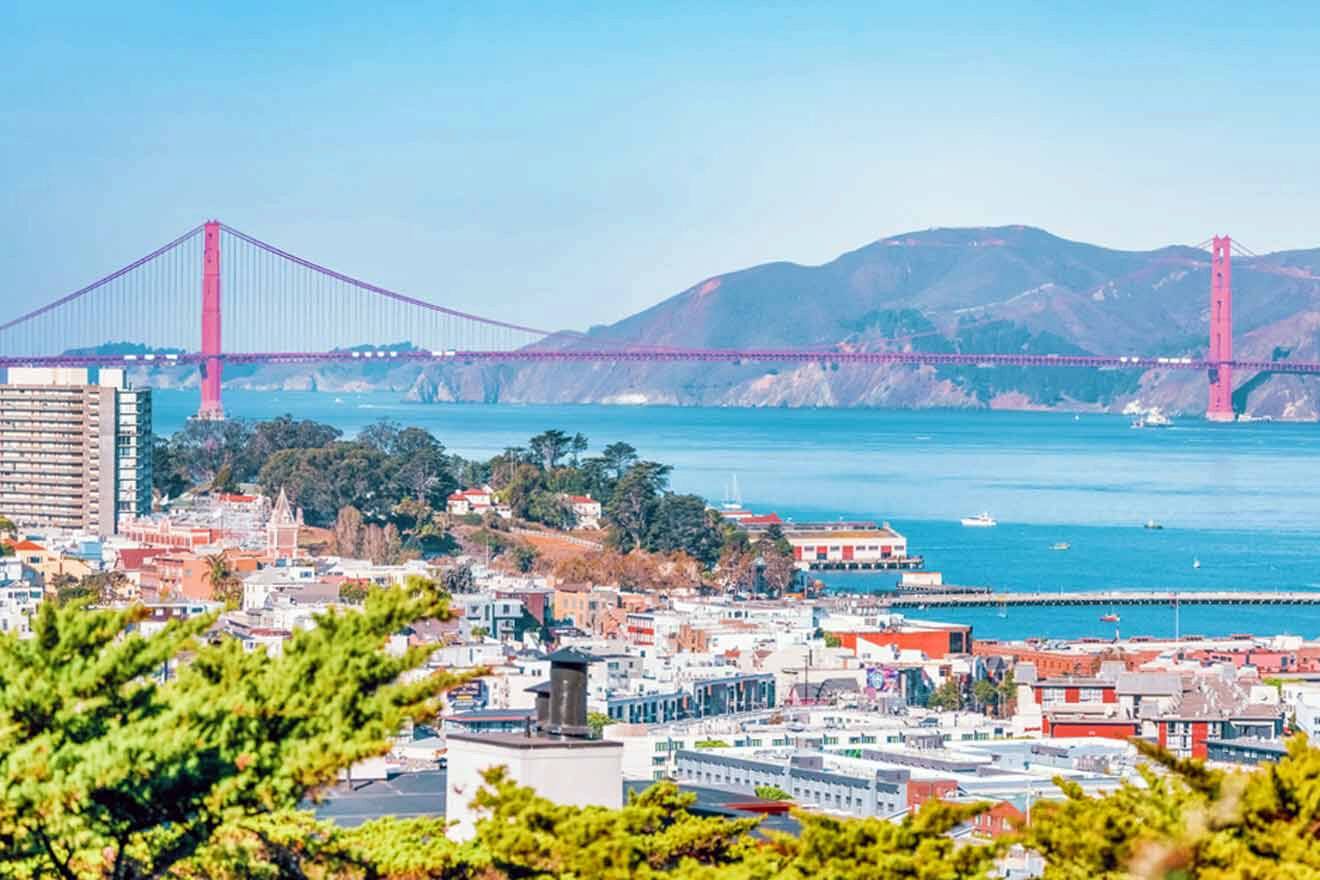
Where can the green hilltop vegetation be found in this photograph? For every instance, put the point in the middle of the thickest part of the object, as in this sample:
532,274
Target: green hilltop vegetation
1047,386
109,769
384,492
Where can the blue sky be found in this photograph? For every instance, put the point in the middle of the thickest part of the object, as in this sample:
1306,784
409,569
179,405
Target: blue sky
573,164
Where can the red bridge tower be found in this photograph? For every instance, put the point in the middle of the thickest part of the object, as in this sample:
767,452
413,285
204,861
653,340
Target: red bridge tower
211,408
1220,408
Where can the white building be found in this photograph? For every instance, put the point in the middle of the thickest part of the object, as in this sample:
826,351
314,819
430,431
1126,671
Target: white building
478,500
75,449
846,546
18,602
577,772
1301,700
586,511
286,585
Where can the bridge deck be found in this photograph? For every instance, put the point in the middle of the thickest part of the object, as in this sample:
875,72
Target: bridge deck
647,354
1124,597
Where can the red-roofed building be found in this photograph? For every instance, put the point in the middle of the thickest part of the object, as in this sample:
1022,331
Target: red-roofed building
471,501
586,511
50,564
138,558
27,547
848,546
762,519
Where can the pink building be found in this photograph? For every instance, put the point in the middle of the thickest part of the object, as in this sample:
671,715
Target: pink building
165,533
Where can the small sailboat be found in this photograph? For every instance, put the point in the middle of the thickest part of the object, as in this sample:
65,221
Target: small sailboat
980,521
1153,526
1196,563
732,497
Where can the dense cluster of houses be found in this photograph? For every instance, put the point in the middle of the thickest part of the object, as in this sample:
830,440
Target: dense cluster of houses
827,699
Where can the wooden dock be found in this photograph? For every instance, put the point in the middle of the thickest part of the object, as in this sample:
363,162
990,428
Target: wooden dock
1114,597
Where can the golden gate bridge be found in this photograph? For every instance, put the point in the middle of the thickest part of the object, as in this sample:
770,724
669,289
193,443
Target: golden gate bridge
298,311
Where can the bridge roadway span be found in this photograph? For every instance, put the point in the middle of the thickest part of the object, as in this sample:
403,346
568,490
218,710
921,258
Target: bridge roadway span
1119,597
657,354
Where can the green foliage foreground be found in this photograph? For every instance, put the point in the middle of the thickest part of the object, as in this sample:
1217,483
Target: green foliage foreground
105,770
111,768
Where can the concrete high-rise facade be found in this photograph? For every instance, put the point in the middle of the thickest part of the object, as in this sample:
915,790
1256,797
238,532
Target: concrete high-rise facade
75,449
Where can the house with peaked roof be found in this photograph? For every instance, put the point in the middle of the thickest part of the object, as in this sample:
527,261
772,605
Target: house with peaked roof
51,563
477,500
586,511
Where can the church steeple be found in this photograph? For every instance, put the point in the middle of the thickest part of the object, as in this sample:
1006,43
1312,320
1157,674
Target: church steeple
282,530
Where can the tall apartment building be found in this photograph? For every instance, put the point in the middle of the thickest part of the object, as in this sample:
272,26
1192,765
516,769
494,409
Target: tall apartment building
75,448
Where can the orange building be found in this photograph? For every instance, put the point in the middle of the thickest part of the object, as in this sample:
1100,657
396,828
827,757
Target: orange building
935,640
583,605
183,575
919,791
1003,818
691,638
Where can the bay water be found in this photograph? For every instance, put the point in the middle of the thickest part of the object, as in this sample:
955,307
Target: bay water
1242,499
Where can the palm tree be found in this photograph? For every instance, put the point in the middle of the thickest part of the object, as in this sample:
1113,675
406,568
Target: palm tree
225,585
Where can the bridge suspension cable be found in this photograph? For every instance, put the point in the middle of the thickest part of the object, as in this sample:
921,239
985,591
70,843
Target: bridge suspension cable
375,288
102,281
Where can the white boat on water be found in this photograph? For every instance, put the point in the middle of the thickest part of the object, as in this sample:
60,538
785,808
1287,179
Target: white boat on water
981,520
1152,418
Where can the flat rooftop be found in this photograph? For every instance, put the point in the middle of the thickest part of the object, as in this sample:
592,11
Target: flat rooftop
406,796
536,741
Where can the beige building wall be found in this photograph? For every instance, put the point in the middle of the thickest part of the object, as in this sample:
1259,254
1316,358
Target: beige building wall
577,772
75,450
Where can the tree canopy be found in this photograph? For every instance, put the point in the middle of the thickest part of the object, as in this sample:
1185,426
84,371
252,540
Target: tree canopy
632,503
108,771
397,477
